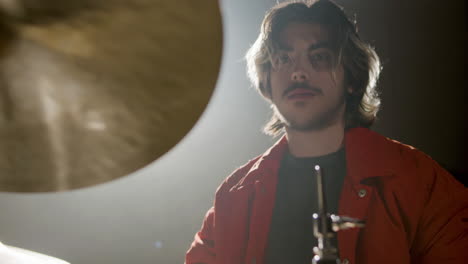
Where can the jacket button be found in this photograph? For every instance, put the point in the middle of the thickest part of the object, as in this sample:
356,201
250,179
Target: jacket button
362,193
345,261
253,261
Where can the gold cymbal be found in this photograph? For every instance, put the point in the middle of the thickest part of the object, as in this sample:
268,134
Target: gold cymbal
94,91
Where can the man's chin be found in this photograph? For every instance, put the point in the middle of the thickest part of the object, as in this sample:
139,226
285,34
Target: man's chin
307,126
317,123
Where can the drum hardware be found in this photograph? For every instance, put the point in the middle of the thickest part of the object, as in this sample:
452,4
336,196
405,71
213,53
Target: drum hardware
327,225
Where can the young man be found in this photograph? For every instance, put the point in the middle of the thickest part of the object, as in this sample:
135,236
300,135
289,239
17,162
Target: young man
320,78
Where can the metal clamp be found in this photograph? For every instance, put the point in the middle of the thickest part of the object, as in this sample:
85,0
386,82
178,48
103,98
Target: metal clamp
326,225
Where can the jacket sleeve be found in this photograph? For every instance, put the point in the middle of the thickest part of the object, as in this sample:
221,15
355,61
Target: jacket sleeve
202,249
443,227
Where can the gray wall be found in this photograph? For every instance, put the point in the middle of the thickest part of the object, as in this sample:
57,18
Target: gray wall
151,215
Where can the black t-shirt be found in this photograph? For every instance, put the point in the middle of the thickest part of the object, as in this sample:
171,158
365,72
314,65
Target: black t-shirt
291,239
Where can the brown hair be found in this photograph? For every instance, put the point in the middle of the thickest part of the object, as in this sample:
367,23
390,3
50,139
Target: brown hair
360,62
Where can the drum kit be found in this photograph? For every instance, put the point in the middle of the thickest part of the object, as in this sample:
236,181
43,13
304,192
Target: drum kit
92,90
14,255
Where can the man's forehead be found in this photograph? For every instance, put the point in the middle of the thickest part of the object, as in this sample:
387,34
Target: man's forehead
310,33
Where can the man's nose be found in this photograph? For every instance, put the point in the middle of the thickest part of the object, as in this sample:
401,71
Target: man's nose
299,75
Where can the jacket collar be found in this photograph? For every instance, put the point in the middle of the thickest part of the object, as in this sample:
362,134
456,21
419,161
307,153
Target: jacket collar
368,154
267,164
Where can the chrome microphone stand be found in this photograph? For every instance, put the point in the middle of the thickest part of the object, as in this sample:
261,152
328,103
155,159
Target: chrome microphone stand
327,225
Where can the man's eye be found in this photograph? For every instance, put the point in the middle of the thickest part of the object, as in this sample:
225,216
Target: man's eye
319,57
321,60
284,58
281,60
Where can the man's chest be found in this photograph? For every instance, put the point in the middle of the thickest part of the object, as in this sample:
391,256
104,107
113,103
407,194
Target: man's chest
251,215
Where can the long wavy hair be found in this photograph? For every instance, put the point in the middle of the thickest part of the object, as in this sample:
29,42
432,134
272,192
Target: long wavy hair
359,60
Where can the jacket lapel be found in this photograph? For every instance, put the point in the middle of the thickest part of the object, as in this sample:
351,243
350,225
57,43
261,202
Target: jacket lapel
262,180
262,209
233,220
367,156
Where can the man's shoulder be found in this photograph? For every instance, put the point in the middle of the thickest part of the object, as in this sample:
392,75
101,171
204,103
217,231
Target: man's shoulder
237,175
391,149
412,164
410,156
264,161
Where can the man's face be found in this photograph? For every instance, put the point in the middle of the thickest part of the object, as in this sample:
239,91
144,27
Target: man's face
307,89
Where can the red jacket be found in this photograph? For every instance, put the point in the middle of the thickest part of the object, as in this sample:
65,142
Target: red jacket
415,211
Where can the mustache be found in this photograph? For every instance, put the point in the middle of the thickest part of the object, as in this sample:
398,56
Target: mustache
305,86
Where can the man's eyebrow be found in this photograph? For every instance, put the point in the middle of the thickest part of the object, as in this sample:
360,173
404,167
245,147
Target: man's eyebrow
319,45
312,47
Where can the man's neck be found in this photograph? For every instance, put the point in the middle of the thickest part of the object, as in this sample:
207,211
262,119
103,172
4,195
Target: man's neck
315,143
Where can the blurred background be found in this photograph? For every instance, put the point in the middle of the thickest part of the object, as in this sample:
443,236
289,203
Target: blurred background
151,215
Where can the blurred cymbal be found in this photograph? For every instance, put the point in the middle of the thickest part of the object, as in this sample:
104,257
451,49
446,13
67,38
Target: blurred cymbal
93,90
14,255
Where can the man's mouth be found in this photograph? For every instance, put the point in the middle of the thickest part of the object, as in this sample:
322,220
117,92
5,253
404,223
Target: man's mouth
301,93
